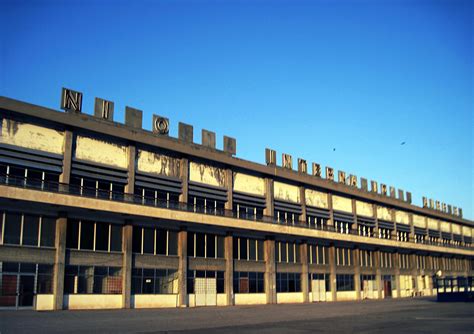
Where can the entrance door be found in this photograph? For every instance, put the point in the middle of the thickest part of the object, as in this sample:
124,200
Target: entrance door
26,291
206,291
318,287
387,288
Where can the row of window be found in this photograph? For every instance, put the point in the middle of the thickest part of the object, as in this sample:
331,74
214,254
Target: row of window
154,281
318,254
249,282
9,278
248,249
366,258
95,236
196,274
156,241
27,230
205,245
287,252
317,222
247,212
288,282
92,280
344,257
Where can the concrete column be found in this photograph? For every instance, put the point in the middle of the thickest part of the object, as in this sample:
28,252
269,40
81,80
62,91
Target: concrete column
357,273
304,272
229,175
59,262
130,186
396,265
184,175
414,273
183,268
332,272
376,229
270,271
394,231
268,211
331,211
354,214
411,237
229,270
127,238
303,205
378,274
65,176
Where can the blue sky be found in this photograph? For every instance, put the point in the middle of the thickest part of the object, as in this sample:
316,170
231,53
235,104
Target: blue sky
301,77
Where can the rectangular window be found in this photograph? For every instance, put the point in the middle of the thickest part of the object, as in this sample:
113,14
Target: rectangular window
148,241
116,238
260,246
211,246
72,234
172,243
102,237
200,245
87,235
248,282
30,230
90,279
12,229
48,232
344,282
288,282
161,241
137,239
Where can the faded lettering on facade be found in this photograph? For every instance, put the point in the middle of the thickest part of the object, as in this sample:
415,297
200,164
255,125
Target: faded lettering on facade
384,213
316,198
31,136
207,174
286,192
150,162
433,224
342,203
401,217
419,221
249,184
95,150
364,209
445,227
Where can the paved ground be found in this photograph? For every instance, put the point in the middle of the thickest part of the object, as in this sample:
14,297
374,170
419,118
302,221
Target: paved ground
386,316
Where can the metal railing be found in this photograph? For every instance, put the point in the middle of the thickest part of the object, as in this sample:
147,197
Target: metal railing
69,189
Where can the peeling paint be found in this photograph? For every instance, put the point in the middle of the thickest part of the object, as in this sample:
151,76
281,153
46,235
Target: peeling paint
401,217
445,227
364,209
207,174
150,162
384,213
433,224
102,152
342,203
249,184
31,136
316,198
419,221
286,192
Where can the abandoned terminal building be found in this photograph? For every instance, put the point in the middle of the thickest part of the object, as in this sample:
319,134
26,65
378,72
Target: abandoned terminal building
95,214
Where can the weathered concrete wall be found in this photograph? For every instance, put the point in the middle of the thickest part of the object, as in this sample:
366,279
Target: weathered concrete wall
289,297
286,192
95,150
364,209
207,174
445,227
250,298
44,302
466,231
31,136
342,203
249,184
384,213
433,224
155,163
90,302
456,229
401,217
154,301
419,221
316,198
346,295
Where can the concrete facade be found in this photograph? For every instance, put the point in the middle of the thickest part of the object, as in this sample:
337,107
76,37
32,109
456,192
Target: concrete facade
199,227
